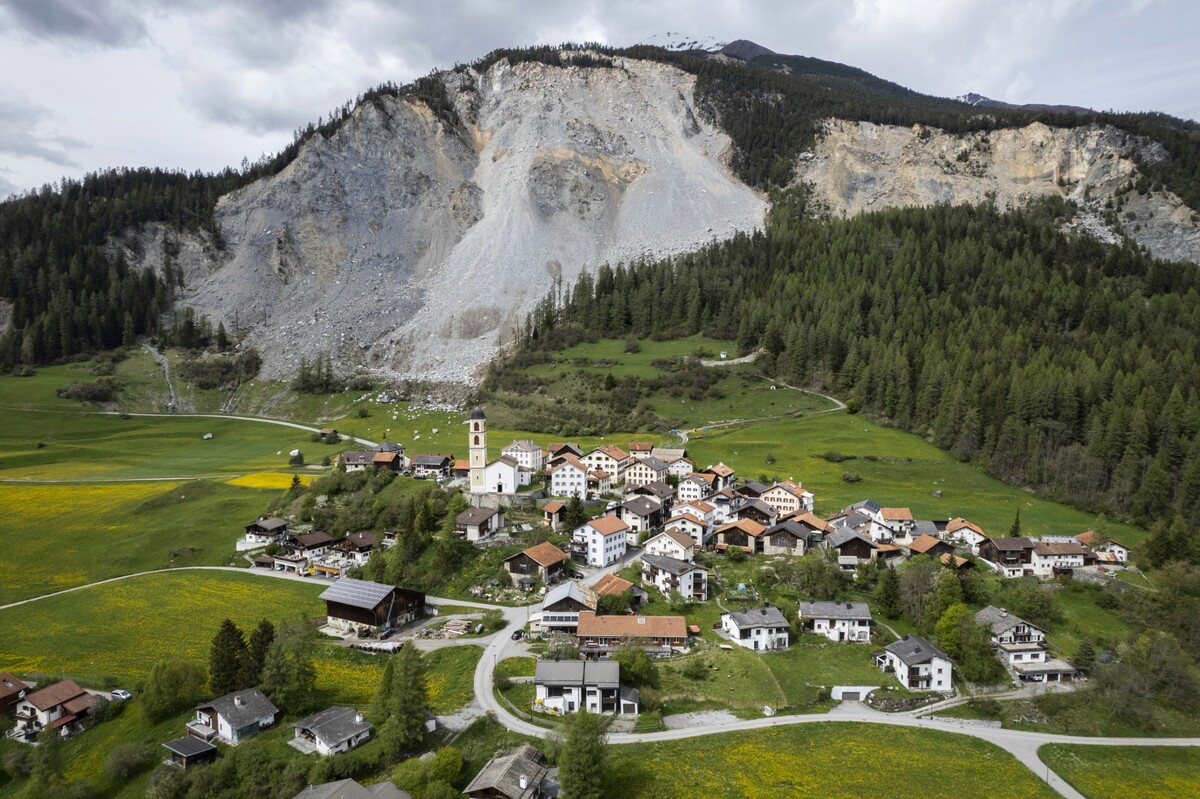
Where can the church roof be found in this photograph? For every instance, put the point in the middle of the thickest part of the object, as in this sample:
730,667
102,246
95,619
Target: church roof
477,413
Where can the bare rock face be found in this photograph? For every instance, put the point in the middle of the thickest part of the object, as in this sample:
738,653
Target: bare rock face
415,248
861,166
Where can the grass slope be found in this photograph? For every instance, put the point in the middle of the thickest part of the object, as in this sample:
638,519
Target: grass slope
826,760
1147,772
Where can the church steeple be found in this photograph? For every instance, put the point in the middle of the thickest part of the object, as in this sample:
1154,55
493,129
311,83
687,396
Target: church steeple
477,446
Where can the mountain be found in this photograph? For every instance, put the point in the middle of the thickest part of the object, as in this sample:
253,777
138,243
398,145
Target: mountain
414,233
979,101
683,43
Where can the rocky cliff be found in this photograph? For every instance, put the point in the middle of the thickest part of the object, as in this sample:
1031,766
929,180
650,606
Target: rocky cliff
860,166
414,247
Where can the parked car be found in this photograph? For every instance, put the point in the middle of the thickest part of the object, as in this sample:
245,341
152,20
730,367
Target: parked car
122,694
576,575
518,635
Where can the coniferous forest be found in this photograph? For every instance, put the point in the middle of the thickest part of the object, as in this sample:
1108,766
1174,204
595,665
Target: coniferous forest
1058,362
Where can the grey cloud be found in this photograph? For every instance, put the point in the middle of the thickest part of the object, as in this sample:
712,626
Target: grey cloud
19,123
8,188
109,23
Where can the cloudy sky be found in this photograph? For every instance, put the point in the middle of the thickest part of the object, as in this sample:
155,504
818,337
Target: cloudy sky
200,84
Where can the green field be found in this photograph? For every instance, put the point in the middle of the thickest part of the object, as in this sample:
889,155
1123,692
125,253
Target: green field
824,760
1147,772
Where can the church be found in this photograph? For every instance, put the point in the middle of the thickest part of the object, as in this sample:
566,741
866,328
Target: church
501,476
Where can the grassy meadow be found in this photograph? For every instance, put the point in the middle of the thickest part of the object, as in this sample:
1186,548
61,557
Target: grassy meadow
1147,772
824,759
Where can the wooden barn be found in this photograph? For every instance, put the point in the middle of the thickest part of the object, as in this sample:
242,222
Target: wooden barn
355,604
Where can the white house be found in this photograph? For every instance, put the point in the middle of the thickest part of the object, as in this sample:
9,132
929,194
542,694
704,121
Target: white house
475,524
1021,647
680,467
894,525
504,476
267,530
788,497
608,458
562,604
1106,549
332,731
672,543
59,706
762,629
917,664
568,477
961,530
526,453
605,540
234,717
837,621
691,525
669,574
1049,556
641,514
643,471
694,487
571,685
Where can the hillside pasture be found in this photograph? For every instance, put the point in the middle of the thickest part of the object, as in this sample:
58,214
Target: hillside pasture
1147,772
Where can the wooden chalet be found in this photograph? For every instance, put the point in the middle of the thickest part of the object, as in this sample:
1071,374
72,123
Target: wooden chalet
354,605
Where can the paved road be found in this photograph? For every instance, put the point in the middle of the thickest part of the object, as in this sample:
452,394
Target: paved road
279,422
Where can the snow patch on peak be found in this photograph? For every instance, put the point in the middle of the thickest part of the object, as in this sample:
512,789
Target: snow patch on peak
673,40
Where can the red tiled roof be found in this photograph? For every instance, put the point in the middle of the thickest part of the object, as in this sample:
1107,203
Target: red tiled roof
608,525
611,584
896,514
546,554
553,506
923,543
591,625
54,695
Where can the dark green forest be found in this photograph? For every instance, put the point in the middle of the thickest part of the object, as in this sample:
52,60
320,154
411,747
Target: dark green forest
71,295
1057,362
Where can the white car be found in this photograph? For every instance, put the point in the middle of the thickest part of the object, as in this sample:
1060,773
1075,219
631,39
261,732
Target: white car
122,694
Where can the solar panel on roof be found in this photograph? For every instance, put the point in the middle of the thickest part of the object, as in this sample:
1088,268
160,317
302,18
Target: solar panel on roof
358,593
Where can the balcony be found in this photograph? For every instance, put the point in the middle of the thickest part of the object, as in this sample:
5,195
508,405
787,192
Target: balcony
198,729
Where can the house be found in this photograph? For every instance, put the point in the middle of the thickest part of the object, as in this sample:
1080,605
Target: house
59,706
750,489
354,461
854,520
234,717
526,454
331,732
646,470
392,461
188,751
959,529
670,574
928,545
475,524
1051,558
672,543
556,451
743,533
640,449
460,469
599,482
552,515
917,664
562,605
604,539
658,635
695,486
678,467
851,547
656,490
837,621
543,561
690,525
608,458
762,629
669,454
389,446
568,477
612,585
361,605
955,562
1109,550
570,685
755,510
519,773
267,530
1021,647
894,525
12,691
356,547
1012,557
435,466
349,789
789,537
641,514
505,475
722,476
300,550
787,497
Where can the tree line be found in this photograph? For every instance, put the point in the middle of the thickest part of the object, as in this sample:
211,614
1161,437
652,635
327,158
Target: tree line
1055,361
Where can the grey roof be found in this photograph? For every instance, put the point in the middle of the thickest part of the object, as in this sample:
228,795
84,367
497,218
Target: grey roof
274,523
357,593
658,489
767,616
475,515
430,460
914,650
335,725
1012,543
525,445
759,505
388,446
642,506
854,519
752,487
189,746
352,457
601,673
834,610
869,505
572,590
477,413
253,706
672,565
999,620
925,527
839,537
349,789
655,464
668,454
790,526
503,773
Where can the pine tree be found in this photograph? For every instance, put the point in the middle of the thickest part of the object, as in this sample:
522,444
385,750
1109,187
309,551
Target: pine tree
404,701
256,653
581,765
289,676
1085,656
225,658
887,594
1015,530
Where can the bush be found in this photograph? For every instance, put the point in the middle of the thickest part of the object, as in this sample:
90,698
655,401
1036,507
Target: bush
850,477
361,383
632,346
362,412
103,390
984,706
695,669
126,760
18,761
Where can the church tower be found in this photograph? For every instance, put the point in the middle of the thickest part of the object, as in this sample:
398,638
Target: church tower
477,444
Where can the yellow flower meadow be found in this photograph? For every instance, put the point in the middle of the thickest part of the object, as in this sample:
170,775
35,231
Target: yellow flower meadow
273,480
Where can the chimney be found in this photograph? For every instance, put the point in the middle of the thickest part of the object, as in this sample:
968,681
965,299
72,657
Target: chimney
1003,611
358,718
237,700
524,782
